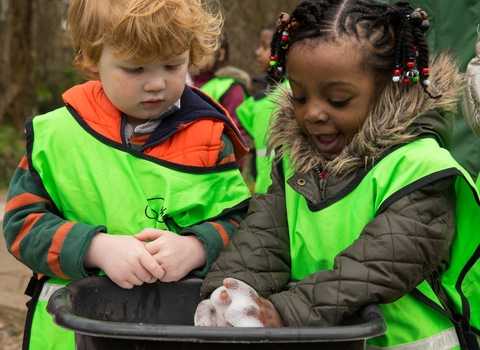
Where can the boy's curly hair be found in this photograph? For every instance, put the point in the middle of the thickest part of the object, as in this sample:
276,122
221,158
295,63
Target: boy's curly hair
143,30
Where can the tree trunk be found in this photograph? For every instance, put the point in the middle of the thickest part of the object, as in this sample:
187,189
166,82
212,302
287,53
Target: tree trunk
15,80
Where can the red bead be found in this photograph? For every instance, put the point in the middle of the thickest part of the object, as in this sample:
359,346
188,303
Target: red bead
284,38
410,64
273,58
397,72
406,81
415,48
425,70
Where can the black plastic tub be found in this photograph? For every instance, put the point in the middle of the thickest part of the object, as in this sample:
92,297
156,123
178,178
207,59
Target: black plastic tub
160,316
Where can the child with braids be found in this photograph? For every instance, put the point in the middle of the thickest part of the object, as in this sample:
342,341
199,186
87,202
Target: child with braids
367,204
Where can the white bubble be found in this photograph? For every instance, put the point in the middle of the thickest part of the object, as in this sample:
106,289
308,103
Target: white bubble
237,307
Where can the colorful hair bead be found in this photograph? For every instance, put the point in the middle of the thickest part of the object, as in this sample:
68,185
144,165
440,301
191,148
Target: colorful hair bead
409,73
285,39
273,60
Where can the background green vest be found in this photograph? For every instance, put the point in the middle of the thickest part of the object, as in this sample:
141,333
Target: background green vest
217,87
254,115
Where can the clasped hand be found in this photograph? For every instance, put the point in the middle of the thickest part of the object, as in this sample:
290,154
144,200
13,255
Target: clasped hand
149,256
236,304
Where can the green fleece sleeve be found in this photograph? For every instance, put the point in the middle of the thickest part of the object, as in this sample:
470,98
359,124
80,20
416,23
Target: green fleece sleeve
215,235
38,236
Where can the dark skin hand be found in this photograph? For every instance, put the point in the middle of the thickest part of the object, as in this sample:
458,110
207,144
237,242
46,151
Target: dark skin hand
267,314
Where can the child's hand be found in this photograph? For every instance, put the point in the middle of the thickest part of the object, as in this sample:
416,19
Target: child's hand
207,315
123,259
239,305
176,254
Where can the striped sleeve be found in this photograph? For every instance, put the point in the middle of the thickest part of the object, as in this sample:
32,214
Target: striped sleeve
215,235
38,236
227,152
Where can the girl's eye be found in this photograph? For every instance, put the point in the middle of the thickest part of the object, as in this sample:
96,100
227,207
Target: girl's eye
133,70
298,99
341,103
174,67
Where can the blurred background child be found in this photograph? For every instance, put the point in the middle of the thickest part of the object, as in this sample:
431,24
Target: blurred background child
226,84
254,113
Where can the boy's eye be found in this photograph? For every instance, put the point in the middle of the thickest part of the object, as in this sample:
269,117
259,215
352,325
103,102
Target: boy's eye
133,70
340,103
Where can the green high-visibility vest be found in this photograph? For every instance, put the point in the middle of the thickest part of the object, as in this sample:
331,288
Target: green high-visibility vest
94,180
217,87
409,320
255,115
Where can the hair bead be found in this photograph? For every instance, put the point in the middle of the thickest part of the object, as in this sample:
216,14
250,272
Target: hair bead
425,26
415,18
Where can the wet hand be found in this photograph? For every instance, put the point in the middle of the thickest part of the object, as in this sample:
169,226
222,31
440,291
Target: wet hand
239,305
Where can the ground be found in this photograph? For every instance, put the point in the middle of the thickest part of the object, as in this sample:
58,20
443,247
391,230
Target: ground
13,280
11,328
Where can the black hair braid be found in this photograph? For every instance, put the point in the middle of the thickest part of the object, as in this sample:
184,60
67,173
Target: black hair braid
412,47
423,60
277,55
310,14
394,32
407,44
398,46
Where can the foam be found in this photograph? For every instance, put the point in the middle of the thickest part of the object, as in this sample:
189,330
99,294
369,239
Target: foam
233,304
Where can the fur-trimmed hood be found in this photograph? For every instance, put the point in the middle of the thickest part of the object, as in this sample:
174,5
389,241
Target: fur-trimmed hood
240,76
396,119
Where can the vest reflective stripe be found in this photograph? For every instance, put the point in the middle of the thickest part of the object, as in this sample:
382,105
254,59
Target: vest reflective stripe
260,152
217,87
48,289
444,340
44,333
413,165
73,164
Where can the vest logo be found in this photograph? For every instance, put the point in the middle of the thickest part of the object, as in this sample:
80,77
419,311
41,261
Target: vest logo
156,211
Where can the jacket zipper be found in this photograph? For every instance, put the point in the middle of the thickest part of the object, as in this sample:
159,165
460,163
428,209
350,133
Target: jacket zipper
322,176
323,185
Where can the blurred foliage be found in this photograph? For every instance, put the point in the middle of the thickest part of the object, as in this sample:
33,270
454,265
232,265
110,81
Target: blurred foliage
36,55
12,149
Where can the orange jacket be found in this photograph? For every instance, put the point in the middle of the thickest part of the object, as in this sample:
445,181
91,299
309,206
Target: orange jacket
197,126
